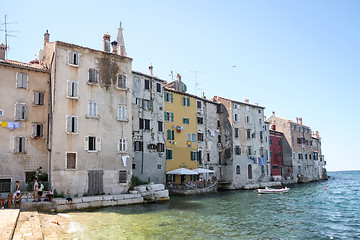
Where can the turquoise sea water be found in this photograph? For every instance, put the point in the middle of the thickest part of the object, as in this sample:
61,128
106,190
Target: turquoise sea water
308,211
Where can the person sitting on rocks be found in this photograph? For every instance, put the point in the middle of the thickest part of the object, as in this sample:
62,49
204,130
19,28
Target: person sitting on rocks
18,200
2,202
9,200
50,195
68,197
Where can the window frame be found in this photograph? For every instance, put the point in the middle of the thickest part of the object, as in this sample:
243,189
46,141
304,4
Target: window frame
121,78
73,122
22,111
20,147
169,154
18,80
92,110
74,89
95,75
35,131
66,160
124,115
75,56
122,145
37,99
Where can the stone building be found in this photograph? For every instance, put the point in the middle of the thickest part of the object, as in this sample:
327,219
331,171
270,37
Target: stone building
148,127
243,143
24,120
303,167
317,155
208,132
90,112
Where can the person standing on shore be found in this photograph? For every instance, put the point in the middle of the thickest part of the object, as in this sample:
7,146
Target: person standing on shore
36,189
40,192
17,188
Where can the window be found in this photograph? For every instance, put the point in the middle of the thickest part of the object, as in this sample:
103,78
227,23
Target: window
92,110
168,97
193,156
20,111
280,154
249,151
189,137
186,121
200,137
160,126
19,144
158,87
218,124
29,176
270,141
146,104
247,119
152,146
247,108
170,134
169,116
219,138
248,134
138,146
193,137
236,132
237,150
261,135
133,166
260,121
21,80
147,84
199,156
72,89
237,169
169,154
160,147
93,76
144,124
305,155
236,106
300,156
158,166
259,111
198,104
121,81
74,58
122,113
1,113
39,98
123,176
37,130
71,124
122,145
208,157
236,117
309,156
71,160
200,120
279,143
5,185
186,101
92,144
271,154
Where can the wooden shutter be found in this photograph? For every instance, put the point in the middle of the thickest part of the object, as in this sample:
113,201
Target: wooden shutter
41,98
98,143
188,102
16,144
35,130
71,56
165,116
17,110
172,117
172,134
68,123
172,98
22,144
75,89
18,80
86,143
69,88
24,80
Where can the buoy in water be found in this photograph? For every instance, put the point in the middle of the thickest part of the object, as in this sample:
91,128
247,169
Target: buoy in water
325,188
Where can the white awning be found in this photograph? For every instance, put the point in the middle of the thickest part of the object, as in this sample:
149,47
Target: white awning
182,171
203,170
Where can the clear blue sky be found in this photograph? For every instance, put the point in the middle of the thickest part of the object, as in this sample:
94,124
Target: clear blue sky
299,58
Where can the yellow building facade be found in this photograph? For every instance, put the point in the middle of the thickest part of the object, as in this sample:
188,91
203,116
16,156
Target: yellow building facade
180,132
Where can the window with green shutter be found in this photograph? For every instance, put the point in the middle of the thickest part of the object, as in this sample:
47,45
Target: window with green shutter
186,121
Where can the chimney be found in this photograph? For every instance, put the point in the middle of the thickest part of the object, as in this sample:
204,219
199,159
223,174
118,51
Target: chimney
46,38
300,120
106,42
2,52
297,120
114,47
178,77
274,113
247,100
151,70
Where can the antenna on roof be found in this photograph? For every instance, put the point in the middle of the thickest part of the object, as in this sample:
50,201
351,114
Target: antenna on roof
196,83
6,32
172,75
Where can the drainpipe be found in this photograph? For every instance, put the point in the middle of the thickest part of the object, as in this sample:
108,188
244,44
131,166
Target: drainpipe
50,117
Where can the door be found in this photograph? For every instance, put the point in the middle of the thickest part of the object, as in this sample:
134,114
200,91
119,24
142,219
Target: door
249,171
95,180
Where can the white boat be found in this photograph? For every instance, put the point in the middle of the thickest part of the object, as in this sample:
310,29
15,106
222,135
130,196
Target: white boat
273,190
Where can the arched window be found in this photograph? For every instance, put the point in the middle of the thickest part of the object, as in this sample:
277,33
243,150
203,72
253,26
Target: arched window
237,169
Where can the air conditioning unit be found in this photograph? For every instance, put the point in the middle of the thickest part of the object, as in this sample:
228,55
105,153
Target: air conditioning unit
219,144
161,154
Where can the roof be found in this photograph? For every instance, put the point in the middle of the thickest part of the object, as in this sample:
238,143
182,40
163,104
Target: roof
249,104
288,121
147,75
95,50
23,65
189,95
